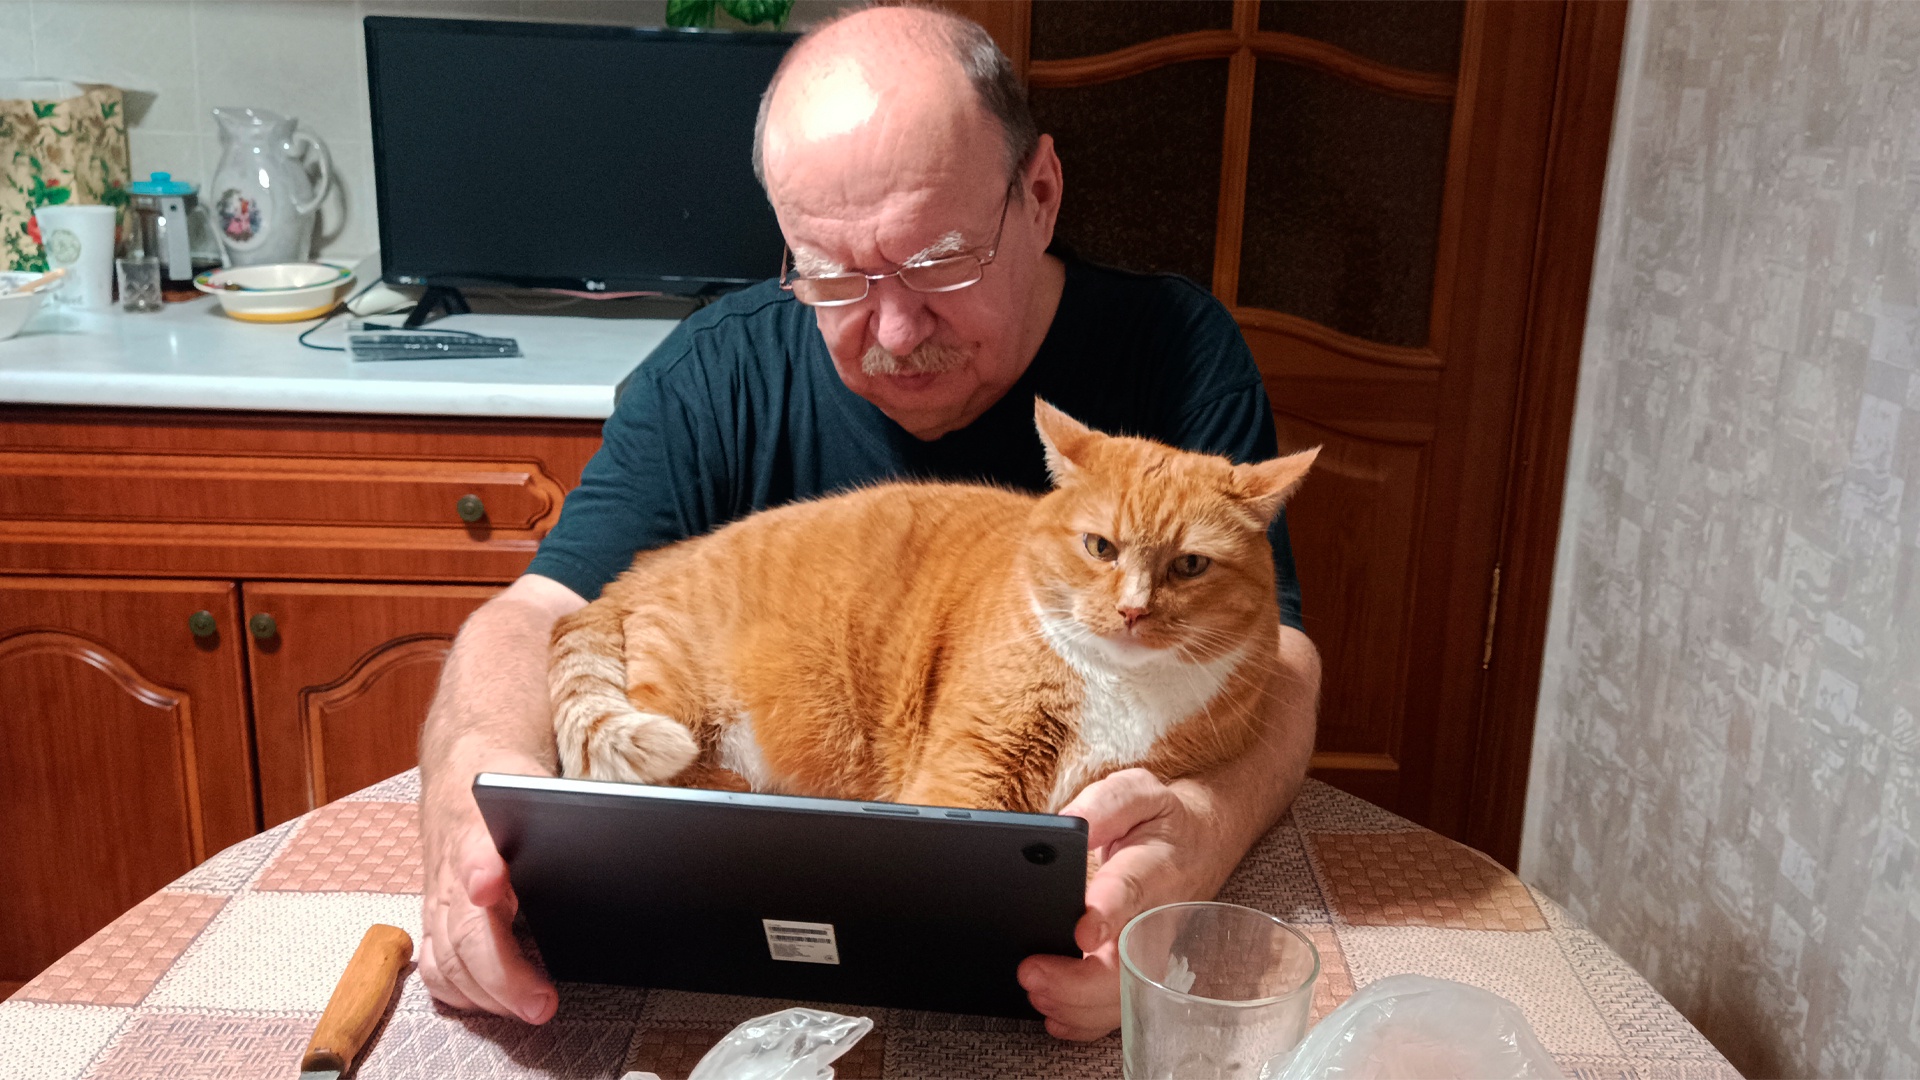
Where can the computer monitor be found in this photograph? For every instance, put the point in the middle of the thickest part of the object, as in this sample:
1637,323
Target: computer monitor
592,158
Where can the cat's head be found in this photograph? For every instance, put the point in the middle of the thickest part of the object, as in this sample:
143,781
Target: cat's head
1143,551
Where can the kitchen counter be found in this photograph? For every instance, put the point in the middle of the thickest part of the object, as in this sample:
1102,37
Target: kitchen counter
192,356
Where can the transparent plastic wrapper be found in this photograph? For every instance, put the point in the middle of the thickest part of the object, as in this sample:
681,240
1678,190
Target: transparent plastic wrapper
792,1044
1410,1027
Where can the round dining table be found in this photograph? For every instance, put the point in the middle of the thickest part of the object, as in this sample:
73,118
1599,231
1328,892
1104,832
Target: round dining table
224,972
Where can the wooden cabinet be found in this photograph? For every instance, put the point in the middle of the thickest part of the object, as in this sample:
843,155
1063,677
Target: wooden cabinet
213,622
124,751
341,682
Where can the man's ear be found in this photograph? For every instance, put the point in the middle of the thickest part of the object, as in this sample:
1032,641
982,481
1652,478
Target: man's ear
1266,485
1066,440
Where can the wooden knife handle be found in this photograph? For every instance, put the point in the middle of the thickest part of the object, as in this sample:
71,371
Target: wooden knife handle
359,998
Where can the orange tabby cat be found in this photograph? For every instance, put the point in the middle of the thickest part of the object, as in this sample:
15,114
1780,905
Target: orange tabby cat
943,644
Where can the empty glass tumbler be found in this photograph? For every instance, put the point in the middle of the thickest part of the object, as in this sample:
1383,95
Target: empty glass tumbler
139,283
1210,990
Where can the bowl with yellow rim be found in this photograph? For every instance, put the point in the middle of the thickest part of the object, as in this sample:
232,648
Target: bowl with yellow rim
276,292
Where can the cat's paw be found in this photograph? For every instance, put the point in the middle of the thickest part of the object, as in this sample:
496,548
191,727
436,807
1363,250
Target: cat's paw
636,747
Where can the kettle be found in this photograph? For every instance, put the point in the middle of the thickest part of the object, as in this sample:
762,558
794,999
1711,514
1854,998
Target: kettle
169,224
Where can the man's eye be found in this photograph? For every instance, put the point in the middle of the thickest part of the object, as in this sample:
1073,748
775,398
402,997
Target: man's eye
1191,566
1100,547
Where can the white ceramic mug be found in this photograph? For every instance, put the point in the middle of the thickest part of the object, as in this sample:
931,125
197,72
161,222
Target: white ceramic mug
80,240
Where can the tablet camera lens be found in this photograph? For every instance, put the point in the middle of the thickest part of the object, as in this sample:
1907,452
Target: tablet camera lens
1038,854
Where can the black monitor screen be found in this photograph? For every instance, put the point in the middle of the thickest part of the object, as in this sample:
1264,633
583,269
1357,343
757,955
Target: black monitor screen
575,157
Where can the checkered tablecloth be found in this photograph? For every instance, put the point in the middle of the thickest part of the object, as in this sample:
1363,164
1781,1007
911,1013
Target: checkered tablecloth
224,972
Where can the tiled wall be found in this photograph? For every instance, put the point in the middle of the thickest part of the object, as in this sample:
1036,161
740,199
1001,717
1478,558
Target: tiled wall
1727,773
303,58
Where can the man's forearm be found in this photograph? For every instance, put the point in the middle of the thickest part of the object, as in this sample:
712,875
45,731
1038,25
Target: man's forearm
492,697
1243,798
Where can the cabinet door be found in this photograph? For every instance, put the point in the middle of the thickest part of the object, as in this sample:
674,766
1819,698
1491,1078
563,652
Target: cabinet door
342,676
123,751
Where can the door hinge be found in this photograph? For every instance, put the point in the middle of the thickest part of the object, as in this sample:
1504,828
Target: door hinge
1493,616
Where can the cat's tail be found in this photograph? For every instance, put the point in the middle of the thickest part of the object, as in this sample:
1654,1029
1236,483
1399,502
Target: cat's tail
600,733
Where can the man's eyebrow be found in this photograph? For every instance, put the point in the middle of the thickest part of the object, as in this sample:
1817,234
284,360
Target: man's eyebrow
810,265
950,244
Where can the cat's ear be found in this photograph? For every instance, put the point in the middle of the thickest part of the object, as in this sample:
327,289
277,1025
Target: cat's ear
1266,485
1066,440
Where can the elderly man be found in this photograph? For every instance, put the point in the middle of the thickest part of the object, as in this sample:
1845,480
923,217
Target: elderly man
922,313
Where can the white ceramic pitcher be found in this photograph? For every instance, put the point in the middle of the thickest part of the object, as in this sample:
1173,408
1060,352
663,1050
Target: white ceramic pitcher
262,198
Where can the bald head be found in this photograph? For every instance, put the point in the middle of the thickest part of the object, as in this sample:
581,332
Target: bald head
899,138
896,80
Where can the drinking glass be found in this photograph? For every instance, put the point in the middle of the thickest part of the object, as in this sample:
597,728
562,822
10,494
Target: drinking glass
1211,990
139,284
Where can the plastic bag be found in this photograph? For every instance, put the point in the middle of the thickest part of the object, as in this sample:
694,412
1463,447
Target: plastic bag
792,1044
1410,1027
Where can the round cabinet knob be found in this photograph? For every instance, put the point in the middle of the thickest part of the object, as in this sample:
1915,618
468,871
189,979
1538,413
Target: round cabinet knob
470,508
202,624
262,626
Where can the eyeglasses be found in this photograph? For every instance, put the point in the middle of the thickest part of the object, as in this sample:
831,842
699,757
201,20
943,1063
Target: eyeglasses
946,273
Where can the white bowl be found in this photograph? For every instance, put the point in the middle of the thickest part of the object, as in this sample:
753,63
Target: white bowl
276,292
16,310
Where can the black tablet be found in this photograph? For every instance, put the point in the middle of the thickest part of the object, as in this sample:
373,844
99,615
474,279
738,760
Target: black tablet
878,904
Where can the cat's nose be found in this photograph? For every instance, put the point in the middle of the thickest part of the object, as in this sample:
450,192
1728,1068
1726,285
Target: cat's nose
1133,615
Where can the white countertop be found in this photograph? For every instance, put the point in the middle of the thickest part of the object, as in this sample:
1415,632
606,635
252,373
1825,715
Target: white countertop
191,356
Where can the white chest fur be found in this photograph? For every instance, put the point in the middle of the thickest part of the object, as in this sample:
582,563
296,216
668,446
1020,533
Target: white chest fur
1132,696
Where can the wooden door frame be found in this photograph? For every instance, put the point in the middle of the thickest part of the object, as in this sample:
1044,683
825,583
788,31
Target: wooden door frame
1593,33
1491,670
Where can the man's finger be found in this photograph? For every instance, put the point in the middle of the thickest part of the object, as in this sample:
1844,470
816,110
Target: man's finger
1071,1033
493,959
1121,889
484,872
1089,982
483,939
437,983
453,963
1115,805
1079,998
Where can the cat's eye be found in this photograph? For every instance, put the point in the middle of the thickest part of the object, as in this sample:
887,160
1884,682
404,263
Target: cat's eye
1100,547
1191,566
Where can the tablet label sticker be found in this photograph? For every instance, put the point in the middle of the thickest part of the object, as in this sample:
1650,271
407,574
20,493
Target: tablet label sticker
802,942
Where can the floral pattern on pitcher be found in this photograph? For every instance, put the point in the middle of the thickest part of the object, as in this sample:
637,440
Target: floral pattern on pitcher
239,216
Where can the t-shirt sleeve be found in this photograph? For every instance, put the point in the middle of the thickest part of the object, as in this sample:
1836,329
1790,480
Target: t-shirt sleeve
1220,407
657,478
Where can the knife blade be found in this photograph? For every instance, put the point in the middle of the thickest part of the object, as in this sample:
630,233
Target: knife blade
359,1000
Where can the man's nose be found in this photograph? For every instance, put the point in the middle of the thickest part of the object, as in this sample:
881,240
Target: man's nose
901,320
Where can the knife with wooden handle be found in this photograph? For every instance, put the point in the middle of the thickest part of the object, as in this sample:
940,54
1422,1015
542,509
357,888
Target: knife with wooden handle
359,1000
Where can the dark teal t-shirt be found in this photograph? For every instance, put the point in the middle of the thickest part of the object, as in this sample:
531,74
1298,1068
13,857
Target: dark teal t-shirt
740,409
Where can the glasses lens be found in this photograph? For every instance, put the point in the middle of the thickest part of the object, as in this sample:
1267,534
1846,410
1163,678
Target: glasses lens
833,289
941,275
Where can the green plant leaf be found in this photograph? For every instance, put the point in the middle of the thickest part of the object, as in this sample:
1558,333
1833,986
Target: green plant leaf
757,12
44,109
690,12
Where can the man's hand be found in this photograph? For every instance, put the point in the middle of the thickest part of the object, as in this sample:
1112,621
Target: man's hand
1156,850
489,715
468,956
1163,843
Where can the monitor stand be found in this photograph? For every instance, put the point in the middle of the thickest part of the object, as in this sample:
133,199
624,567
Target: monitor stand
431,301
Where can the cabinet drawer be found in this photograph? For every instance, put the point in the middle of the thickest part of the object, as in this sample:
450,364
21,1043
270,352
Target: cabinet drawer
201,489
316,498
